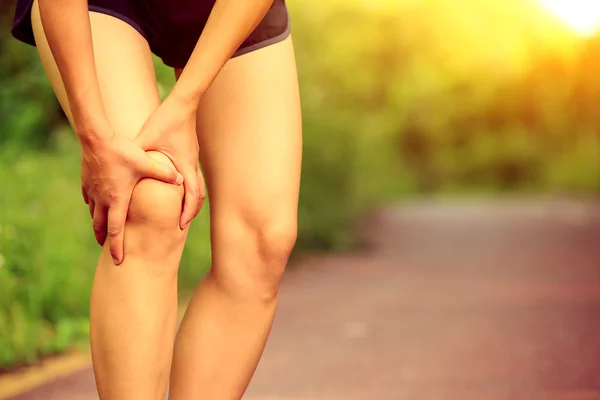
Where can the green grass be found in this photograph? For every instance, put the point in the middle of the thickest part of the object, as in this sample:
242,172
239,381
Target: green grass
48,253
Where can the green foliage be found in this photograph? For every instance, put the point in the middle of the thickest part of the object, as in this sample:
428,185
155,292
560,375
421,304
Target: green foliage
28,109
48,252
494,97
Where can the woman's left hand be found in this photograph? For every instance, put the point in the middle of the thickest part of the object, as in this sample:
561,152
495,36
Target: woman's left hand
171,130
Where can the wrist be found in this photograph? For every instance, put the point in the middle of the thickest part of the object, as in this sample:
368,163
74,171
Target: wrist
92,133
186,102
187,94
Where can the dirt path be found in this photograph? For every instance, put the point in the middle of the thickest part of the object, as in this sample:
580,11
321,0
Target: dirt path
465,301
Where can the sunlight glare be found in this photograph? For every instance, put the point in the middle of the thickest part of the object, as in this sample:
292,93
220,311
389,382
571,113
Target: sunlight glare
582,16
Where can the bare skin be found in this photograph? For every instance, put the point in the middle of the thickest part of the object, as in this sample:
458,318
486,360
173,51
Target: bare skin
135,302
249,127
249,135
112,163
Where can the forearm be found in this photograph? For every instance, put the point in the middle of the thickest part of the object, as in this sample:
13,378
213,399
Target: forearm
229,24
68,30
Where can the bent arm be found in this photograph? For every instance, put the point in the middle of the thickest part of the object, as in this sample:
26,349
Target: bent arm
68,30
229,24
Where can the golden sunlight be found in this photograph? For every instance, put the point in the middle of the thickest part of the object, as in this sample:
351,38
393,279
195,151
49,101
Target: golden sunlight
582,16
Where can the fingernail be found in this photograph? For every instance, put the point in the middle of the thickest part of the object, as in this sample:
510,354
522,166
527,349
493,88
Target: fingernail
179,180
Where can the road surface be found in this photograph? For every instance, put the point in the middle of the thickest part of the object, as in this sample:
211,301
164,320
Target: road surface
451,301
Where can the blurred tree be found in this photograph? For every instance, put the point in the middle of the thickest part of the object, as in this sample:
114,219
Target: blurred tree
29,112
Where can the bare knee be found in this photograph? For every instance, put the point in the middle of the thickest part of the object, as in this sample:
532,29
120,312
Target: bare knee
251,258
274,243
154,213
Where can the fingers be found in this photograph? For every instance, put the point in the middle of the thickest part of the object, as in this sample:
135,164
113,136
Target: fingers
163,172
92,205
99,225
195,194
110,223
88,201
117,215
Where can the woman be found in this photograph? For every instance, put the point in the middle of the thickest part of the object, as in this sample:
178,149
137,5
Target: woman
236,105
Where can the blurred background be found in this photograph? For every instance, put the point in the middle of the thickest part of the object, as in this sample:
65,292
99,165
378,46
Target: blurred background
449,233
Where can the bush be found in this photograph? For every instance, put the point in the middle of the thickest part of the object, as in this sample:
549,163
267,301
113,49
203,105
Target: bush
29,112
48,252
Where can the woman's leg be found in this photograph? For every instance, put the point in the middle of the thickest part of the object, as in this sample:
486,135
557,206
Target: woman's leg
249,129
133,306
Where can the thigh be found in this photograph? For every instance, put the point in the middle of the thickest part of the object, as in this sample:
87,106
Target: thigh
250,137
124,67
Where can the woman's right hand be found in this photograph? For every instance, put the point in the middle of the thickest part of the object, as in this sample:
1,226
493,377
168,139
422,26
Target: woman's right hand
110,169
111,164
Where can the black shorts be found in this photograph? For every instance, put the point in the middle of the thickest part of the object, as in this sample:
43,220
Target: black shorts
171,27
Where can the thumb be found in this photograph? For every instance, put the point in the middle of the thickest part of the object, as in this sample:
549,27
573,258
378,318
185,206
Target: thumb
161,171
142,140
